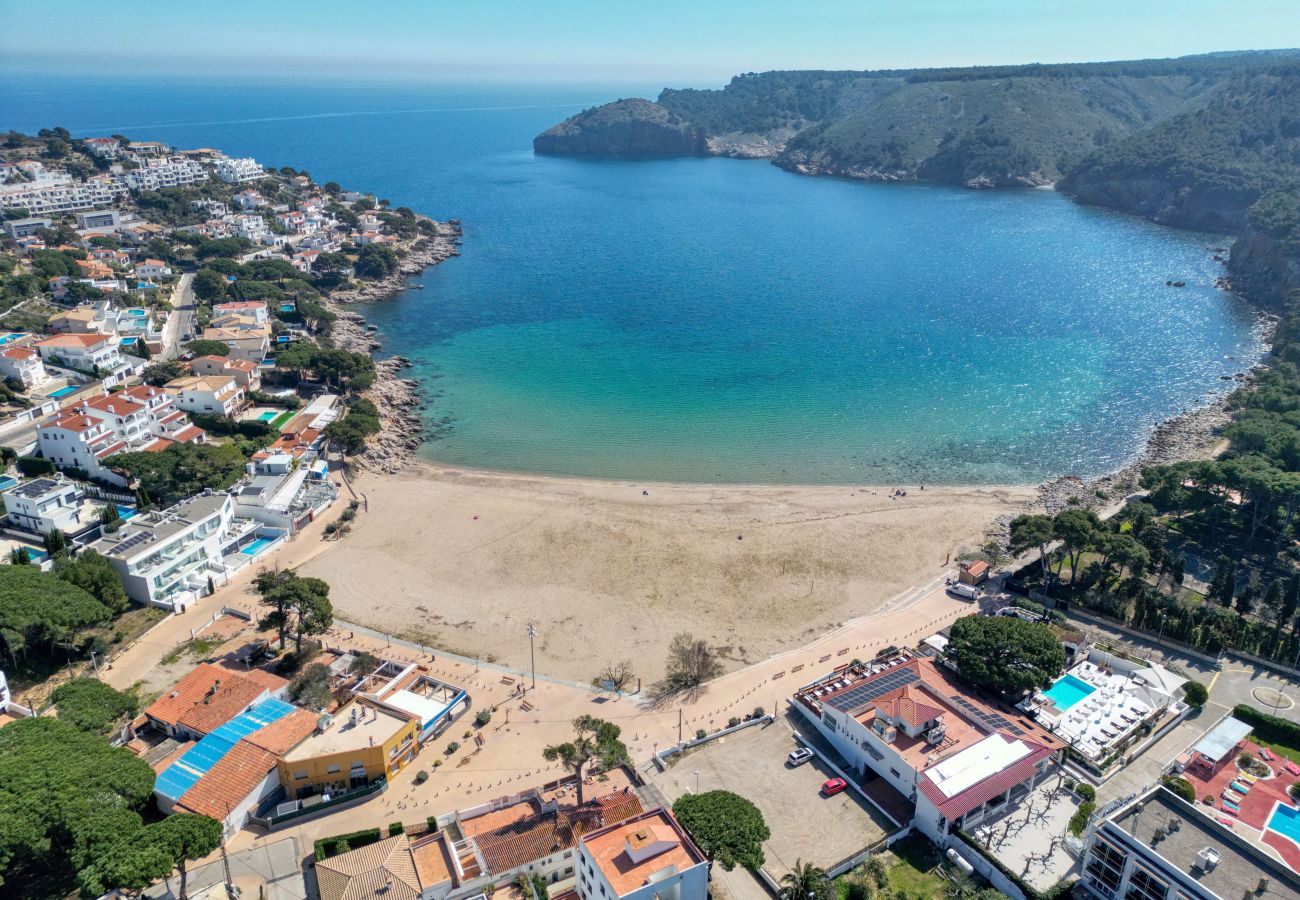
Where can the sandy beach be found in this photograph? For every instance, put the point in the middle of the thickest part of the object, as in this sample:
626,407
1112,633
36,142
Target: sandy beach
464,560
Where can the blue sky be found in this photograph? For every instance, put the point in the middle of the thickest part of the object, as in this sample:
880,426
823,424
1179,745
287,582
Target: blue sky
700,42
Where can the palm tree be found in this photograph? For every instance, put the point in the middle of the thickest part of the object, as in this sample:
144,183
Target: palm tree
804,882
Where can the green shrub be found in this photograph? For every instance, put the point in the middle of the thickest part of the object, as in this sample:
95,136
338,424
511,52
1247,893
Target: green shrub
453,747
1269,728
421,776
484,716
758,712
700,734
396,828
431,823
35,465
733,722
1079,820
1180,786
342,843
1195,694
1086,791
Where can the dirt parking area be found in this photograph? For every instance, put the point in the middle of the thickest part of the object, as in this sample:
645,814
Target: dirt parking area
805,825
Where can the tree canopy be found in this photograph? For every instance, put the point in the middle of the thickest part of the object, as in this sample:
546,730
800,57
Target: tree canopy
727,827
595,740
39,609
1005,654
92,705
182,470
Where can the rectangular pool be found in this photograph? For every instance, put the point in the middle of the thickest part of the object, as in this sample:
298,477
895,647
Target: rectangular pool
1285,820
1068,691
11,336
64,391
257,546
267,416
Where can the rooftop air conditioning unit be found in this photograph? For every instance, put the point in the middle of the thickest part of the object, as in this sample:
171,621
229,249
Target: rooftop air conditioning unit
935,734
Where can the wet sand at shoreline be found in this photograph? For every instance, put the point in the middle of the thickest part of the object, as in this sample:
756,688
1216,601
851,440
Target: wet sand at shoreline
464,560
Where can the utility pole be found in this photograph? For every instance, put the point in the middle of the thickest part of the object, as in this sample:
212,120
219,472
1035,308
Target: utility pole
679,724
225,860
532,655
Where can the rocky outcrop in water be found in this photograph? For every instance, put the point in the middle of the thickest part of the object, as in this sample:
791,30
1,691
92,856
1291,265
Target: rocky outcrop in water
623,128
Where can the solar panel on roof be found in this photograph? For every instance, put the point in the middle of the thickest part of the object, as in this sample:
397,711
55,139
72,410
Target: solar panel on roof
861,695
130,542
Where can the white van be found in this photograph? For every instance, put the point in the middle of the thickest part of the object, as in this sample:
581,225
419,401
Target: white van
965,591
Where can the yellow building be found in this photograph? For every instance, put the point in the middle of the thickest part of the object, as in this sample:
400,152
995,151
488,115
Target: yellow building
357,745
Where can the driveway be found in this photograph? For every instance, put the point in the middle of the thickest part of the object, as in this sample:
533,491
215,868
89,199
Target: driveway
805,825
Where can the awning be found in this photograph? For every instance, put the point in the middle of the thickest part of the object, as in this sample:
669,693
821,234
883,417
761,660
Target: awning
1222,739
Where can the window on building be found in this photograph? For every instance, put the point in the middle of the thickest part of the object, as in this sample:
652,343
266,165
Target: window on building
334,770
1145,885
1105,867
299,775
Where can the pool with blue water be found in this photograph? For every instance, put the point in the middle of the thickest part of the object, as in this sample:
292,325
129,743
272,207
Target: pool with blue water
257,546
64,391
1286,822
1067,691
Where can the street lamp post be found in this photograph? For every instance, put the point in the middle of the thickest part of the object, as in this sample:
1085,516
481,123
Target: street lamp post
532,655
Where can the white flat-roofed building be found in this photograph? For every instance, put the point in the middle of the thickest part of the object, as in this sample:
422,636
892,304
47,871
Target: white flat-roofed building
45,504
236,171
249,199
158,174
99,220
1156,845
148,149
21,228
23,364
284,493
646,857
57,196
167,558
255,309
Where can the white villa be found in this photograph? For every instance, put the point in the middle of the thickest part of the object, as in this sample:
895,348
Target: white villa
283,493
173,557
23,364
236,171
49,504
218,395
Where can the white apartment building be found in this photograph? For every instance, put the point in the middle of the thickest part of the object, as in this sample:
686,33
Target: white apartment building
218,395
84,352
138,418
158,174
646,857
23,364
248,225
236,171
58,197
21,228
169,558
102,220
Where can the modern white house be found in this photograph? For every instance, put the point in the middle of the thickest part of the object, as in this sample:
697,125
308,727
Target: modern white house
48,504
218,395
285,493
153,269
99,220
254,309
236,171
646,857
23,364
173,557
58,196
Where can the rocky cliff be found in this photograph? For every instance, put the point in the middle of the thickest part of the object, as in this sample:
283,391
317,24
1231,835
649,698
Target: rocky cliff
623,128
1265,260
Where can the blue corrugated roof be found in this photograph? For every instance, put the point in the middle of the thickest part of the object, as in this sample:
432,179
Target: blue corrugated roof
183,774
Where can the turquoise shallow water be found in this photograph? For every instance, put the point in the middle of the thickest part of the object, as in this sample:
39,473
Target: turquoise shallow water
721,320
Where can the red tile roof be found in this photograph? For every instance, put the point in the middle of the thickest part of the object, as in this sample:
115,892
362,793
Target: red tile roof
189,433
538,836
284,734
207,697
229,782
900,704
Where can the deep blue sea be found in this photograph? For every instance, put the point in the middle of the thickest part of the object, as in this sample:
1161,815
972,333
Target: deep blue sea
722,320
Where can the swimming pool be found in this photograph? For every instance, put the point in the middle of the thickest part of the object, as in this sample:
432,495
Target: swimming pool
1068,691
6,482
64,391
125,512
11,336
257,546
267,416
1286,822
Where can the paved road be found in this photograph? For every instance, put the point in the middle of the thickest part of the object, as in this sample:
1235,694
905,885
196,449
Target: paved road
273,871
181,320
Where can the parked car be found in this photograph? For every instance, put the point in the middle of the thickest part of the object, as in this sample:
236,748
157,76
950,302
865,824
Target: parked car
799,757
834,786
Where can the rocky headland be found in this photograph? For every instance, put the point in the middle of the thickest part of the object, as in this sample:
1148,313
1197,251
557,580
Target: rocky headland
397,398
623,128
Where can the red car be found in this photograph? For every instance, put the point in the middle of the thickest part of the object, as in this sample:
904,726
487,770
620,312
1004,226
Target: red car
834,786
